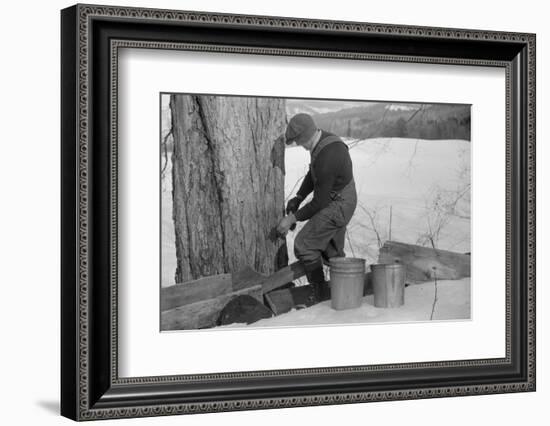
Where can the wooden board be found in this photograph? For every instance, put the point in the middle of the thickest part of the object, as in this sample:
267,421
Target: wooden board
197,304
282,276
424,263
282,301
195,291
218,285
246,277
202,314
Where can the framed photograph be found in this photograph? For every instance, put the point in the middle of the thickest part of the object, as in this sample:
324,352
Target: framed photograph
263,212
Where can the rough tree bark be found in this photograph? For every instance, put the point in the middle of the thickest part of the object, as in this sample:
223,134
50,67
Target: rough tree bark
228,184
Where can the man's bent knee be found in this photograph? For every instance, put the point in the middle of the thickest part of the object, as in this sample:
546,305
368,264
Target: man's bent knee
305,253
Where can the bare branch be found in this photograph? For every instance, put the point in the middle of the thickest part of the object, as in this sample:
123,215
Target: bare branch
421,109
416,112
374,228
375,130
391,215
350,244
165,151
435,295
294,187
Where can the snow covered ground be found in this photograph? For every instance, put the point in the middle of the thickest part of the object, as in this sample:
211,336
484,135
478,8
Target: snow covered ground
406,189
453,302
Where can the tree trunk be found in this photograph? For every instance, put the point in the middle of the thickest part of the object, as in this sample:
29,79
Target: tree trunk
228,184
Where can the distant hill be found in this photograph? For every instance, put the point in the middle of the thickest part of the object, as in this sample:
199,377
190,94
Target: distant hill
314,106
423,121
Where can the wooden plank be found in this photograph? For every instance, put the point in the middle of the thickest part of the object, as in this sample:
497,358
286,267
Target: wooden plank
282,276
282,301
246,277
424,263
279,301
203,314
217,285
195,291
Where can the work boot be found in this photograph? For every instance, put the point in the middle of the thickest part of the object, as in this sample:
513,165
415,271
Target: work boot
321,291
316,278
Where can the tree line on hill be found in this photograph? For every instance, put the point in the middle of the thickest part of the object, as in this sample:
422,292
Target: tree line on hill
419,121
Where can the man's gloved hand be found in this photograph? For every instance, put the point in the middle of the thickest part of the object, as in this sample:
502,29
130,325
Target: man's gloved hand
293,205
285,224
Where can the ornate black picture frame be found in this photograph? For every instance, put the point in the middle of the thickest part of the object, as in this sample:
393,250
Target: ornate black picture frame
90,38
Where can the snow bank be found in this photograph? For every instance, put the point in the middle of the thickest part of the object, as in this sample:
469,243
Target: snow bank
453,303
399,180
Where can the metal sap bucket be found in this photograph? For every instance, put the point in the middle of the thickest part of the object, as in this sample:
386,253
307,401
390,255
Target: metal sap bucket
347,280
388,282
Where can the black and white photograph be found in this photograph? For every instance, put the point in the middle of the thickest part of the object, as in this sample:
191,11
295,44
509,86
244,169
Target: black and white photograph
295,212
260,213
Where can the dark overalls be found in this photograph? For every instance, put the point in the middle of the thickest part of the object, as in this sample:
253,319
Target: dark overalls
323,236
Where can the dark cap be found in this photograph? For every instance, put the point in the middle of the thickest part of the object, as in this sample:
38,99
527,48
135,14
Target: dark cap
300,129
